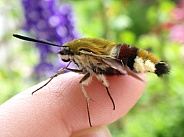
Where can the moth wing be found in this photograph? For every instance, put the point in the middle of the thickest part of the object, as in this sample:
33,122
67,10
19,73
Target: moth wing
113,63
95,55
121,68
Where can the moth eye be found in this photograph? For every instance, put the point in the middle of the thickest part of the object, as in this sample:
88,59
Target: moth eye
65,54
64,51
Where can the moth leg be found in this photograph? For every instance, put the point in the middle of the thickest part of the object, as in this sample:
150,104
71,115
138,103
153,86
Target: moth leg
106,84
74,70
57,74
51,78
85,81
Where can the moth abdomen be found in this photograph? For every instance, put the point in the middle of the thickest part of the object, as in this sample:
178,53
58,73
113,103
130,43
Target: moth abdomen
127,54
141,61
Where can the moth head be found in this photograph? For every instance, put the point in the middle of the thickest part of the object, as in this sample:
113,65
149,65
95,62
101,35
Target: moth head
65,54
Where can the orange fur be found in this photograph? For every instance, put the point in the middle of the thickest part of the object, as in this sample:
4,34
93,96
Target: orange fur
148,56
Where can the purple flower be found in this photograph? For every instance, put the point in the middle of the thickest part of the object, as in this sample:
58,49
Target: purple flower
48,21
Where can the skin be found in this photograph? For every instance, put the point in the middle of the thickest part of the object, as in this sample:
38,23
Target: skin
59,109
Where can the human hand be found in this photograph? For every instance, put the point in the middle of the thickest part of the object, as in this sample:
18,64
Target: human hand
59,109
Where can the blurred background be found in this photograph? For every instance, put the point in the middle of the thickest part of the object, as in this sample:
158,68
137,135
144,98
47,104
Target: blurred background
154,25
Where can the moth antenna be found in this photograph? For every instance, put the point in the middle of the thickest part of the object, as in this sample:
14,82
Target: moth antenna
35,40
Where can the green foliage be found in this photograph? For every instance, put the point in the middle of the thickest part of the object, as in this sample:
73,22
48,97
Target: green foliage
159,112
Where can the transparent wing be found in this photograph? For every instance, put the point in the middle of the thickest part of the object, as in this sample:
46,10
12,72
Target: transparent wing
113,63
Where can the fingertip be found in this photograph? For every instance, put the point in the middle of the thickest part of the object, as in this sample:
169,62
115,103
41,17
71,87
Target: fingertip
101,131
125,91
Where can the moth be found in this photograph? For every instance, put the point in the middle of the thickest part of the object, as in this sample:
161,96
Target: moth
99,57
